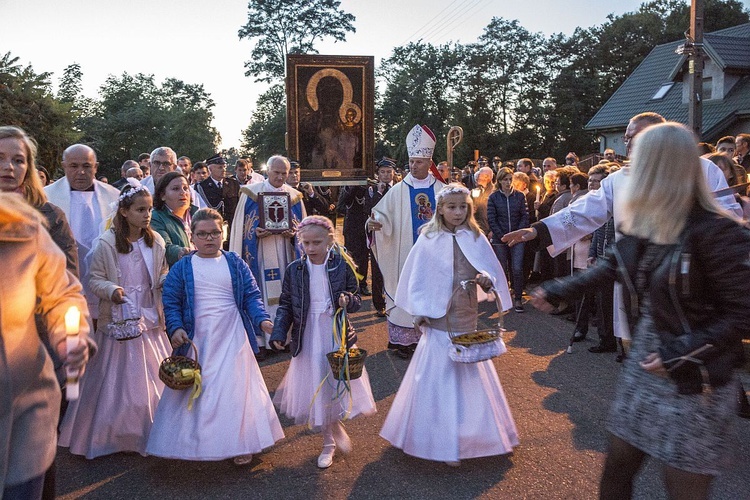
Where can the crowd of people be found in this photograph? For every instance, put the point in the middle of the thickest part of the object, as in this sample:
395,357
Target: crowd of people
195,257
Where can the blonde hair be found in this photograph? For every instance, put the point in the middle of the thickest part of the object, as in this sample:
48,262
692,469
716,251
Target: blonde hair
31,186
437,224
665,183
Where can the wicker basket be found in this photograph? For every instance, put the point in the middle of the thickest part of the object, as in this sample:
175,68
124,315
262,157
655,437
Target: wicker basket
356,363
479,345
168,375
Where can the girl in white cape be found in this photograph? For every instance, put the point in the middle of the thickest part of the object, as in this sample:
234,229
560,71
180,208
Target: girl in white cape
444,410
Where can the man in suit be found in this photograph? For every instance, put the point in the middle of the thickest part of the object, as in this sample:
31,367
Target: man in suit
386,167
122,181
742,148
219,191
315,203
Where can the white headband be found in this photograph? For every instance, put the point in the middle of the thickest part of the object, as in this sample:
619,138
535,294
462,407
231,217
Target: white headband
452,189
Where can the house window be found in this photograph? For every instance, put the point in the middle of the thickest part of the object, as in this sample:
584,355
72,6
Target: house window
708,87
662,91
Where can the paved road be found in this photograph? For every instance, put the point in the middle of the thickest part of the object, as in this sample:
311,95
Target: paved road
559,402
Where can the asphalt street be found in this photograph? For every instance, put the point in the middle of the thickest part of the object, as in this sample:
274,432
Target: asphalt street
559,402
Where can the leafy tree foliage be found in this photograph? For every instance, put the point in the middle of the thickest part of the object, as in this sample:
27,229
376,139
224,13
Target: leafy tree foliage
281,27
517,93
26,101
420,81
134,115
265,135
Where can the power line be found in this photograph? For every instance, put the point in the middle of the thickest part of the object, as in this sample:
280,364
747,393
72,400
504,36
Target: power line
427,24
459,24
455,18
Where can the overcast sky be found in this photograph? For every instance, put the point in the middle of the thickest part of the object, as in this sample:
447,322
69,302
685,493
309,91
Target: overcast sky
196,41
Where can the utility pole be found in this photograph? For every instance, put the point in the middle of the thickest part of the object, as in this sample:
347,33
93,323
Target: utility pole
695,103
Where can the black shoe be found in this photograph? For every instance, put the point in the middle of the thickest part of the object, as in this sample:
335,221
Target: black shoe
404,352
364,291
579,336
571,318
518,307
262,354
620,357
603,348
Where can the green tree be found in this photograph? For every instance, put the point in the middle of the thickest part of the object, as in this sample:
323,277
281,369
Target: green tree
134,115
420,80
281,27
26,101
503,86
266,133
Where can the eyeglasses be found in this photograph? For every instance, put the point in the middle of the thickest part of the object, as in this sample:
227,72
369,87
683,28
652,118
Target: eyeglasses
157,163
201,235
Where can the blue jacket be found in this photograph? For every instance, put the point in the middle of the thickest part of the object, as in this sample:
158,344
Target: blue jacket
178,297
506,213
295,298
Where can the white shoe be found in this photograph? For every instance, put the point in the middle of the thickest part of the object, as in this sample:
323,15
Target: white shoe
242,459
343,442
325,459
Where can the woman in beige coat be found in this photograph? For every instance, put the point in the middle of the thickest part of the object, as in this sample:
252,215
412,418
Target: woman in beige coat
121,390
34,279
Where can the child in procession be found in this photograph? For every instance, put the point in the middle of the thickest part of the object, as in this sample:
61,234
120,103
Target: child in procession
314,286
212,300
121,388
445,410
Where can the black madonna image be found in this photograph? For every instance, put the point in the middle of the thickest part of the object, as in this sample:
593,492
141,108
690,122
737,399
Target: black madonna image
330,116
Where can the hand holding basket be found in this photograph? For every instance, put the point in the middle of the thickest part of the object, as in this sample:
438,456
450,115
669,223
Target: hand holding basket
479,345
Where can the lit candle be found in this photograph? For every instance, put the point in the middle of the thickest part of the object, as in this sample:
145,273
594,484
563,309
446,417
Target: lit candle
72,327
537,193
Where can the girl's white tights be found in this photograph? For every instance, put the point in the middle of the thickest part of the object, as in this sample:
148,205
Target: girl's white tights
325,459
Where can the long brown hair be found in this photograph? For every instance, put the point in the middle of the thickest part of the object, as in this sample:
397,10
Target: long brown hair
120,224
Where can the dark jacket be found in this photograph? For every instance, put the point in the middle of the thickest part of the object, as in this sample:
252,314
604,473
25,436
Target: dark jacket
225,199
698,295
294,302
603,239
545,206
506,213
178,297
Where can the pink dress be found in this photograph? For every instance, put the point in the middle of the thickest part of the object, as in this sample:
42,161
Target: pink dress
121,388
296,395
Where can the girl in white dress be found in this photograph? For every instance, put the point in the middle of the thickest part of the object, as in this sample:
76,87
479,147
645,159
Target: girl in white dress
211,298
444,410
313,286
121,388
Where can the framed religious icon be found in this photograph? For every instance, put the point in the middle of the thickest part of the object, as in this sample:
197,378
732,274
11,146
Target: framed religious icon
330,105
275,211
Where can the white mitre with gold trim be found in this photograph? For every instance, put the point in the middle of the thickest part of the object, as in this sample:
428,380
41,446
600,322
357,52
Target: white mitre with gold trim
420,143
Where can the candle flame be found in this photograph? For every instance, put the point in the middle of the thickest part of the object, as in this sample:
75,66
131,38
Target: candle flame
72,320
